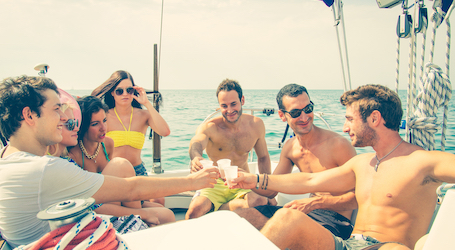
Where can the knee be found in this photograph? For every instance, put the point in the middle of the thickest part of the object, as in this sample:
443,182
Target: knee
244,212
254,201
119,167
290,216
166,216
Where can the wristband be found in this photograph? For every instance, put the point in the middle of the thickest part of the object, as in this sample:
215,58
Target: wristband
257,183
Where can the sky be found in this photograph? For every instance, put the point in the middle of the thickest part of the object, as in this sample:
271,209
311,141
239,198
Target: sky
263,44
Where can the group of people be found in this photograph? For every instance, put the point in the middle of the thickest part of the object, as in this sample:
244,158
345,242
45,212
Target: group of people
393,188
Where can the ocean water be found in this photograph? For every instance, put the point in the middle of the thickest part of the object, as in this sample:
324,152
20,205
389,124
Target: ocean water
184,110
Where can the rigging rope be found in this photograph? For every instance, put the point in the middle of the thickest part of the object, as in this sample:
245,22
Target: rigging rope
435,89
91,232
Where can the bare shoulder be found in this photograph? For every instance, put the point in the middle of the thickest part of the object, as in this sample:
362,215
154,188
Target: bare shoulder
109,143
254,121
209,126
335,141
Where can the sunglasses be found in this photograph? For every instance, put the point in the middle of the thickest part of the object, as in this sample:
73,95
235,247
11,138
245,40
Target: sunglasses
297,112
71,124
129,90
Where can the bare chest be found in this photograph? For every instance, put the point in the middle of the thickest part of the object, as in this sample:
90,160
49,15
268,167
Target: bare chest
224,142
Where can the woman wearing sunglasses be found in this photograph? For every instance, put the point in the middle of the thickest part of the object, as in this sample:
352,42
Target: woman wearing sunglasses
127,121
94,152
69,132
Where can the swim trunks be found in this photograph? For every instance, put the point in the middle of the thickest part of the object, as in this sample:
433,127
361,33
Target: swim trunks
221,194
332,221
359,242
140,170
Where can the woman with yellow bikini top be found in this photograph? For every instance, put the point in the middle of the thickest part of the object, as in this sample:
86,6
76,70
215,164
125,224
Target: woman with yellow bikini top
127,122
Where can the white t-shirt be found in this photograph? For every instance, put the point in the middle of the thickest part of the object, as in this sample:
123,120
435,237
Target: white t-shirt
29,184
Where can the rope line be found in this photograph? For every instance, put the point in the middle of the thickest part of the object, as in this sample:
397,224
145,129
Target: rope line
91,232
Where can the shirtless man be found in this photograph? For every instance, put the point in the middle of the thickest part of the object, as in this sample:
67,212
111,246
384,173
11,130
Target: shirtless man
231,136
31,119
395,187
312,150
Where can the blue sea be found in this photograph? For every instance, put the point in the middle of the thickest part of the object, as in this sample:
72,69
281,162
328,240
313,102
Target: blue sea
184,110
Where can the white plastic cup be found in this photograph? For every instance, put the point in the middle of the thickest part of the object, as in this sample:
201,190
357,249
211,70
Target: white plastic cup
221,164
206,163
231,173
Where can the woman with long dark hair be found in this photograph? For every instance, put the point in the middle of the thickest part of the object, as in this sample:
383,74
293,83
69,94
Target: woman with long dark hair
127,122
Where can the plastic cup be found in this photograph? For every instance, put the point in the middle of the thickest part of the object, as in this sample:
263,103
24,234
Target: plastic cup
231,173
221,164
206,163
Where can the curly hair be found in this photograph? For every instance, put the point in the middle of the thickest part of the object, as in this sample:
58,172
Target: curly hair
89,105
17,93
228,85
376,97
291,90
104,91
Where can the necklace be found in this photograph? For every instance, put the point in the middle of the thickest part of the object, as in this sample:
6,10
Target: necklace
379,160
84,151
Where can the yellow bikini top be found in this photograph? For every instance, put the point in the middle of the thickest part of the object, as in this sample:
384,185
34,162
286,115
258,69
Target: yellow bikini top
134,139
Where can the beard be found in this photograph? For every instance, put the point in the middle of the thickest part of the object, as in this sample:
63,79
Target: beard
238,116
365,137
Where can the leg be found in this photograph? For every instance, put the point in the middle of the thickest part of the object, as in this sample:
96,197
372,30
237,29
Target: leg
290,228
253,216
158,201
394,246
151,204
122,168
163,214
199,206
251,200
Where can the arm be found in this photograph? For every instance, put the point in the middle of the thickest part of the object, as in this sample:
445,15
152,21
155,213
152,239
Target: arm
443,163
261,149
197,145
344,202
146,188
155,121
301,183
284,166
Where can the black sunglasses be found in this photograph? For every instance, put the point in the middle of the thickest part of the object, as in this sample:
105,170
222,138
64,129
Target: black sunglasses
297,112
129,90
71,124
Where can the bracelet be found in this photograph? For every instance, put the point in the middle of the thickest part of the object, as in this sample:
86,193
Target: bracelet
257,183
266,182
263,181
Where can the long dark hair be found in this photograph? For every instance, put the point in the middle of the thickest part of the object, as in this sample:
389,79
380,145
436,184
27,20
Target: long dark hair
89,105
104,91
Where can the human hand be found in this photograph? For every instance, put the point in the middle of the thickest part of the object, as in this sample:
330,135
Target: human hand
204,178
245,181
141,97
196,165
304,205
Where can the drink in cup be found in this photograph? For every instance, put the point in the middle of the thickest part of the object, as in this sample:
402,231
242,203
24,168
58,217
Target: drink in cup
231,173
206,163
221,164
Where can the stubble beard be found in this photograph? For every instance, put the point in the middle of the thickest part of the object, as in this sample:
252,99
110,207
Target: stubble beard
240,112
365,137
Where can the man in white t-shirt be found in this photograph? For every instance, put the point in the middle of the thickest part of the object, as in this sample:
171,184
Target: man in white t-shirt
31,119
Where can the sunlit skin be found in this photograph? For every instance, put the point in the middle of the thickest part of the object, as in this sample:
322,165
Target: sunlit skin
50,123
97,128
142,119
360,133
69,137
302,124
230,105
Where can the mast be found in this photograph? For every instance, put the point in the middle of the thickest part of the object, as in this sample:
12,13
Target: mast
156,137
